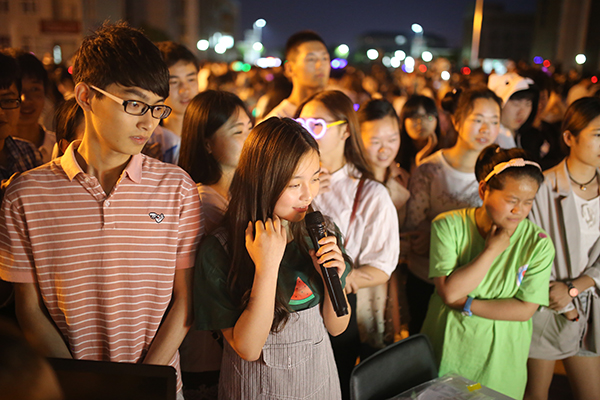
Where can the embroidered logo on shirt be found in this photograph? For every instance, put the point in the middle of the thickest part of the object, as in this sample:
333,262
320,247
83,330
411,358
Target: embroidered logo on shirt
521,274
302,293
158,218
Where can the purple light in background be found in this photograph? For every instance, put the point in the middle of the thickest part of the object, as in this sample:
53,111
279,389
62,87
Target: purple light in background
404,67
269,77
545,69
339,63
356,106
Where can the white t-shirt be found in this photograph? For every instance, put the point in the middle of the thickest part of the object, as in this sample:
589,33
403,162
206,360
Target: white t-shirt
505,138
372,239
285,109
435,187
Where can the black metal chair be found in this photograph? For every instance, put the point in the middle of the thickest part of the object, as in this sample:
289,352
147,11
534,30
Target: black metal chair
394,369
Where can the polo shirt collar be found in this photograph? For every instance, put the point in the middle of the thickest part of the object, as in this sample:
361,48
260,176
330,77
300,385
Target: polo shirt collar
72,169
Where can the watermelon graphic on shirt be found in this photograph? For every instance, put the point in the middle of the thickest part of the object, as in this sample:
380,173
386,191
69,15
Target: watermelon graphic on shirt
302,293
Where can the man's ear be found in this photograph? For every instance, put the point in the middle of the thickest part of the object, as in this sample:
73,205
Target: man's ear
288,69
83,95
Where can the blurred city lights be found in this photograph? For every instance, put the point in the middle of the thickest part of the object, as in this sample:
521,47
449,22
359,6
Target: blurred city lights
342,50
268,62
538,60
427,56
445,75
202,45
400,40
399,54
580,59
339,63
423,68
260,23
594,79
546,63
395,62
466,70
237,66
220,48
416,28
257,46
409,62
227,41
246,67
386,61
57,54
372,54
70,70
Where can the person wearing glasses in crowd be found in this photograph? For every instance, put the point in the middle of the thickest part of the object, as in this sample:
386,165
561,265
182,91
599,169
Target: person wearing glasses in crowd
490,266
365,214
16,155
100,243
307,66
34,83
419,131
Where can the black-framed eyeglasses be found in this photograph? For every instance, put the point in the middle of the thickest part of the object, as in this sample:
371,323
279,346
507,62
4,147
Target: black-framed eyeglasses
10,104
136,107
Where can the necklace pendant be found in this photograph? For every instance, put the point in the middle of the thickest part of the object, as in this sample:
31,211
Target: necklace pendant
583,188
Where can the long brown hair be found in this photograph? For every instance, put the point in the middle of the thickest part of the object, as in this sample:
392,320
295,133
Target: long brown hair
207,112
268,161
341,108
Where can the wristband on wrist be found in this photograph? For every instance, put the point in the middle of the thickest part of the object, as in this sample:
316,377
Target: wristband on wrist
466,311
573,291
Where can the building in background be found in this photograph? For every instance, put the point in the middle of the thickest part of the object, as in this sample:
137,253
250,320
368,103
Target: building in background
53,29
566,28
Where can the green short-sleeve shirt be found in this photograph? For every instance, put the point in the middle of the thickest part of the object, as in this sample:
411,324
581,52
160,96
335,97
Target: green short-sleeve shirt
491,352
213,306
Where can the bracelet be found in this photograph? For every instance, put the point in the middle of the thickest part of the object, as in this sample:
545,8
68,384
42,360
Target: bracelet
466,311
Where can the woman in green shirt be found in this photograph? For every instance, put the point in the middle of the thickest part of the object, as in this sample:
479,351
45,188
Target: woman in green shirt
490,266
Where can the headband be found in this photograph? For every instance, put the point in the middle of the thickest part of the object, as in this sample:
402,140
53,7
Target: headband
515,162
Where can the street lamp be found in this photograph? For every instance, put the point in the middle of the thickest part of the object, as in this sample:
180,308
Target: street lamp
427,56
372,54
580,59
477,20
416,28
202,44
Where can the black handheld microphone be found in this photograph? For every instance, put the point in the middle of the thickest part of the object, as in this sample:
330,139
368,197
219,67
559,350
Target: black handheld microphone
315,224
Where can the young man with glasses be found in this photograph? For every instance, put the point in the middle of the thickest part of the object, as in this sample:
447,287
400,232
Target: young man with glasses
16,155
101,242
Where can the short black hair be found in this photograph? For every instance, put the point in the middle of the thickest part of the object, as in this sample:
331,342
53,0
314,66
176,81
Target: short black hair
30,66
298,38
173,52
9,72
376,109
120,54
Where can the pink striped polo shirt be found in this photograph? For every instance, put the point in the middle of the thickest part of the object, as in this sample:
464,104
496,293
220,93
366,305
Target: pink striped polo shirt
104,264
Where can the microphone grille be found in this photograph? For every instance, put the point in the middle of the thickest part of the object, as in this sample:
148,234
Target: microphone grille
314,218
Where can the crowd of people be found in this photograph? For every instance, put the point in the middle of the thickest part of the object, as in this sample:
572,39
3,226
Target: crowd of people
153,212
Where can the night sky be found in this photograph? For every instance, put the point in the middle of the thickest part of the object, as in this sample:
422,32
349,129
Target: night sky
341,21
